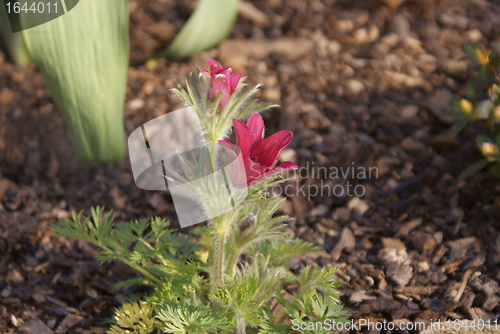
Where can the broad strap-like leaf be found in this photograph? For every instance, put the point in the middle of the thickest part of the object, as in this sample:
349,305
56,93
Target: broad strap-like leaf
83,56
210,23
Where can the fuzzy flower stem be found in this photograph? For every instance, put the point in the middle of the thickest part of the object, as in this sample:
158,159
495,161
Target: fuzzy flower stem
221,225
219,241
241,324
233,258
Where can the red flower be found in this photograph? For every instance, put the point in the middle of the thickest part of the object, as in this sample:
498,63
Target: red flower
222,80
259,154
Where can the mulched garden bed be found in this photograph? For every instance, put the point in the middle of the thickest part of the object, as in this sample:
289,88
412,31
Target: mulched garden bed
360,83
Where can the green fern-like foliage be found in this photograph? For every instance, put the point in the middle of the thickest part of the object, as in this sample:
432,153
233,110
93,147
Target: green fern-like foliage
133,318
147,245
181,318
184,300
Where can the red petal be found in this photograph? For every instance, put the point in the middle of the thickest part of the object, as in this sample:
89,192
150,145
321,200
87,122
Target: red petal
287,165
256,126
235,168
267,152
254,171
220,84
243,136
235,79
215,66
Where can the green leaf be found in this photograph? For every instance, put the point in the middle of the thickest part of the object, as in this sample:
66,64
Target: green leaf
473,169
133,318
210,23
496,169
181,318
320,279
457,127
282,252
83,56
131,282
481,139
483,109
15,42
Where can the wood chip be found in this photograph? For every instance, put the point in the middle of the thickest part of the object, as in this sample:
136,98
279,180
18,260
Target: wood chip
359,296
439,105
161,30
417,289
292,48
248,11
407,227
35,326
5,184
424,242
358,205
478,314
6,95
396,262
459,247
491,302
439,253
39,298
393,4
347,241
393,243
489,288
14,277
69,321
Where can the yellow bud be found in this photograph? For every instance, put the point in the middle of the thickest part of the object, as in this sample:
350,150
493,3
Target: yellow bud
466,106
489,148
203,255
483,57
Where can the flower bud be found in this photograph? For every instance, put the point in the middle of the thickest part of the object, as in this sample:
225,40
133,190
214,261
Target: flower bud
222,81
489,148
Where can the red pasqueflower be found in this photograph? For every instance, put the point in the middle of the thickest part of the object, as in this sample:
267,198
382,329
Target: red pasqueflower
222,80
259,154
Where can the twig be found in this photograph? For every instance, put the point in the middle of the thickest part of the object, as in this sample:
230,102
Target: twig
462,286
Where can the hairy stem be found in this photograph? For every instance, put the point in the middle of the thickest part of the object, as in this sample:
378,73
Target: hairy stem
219,258
241,324
219,265
222,225
233,258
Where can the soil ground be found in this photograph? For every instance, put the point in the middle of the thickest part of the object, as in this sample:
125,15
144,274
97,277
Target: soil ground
360,83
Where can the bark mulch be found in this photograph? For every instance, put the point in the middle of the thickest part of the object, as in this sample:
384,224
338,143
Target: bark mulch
361,84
